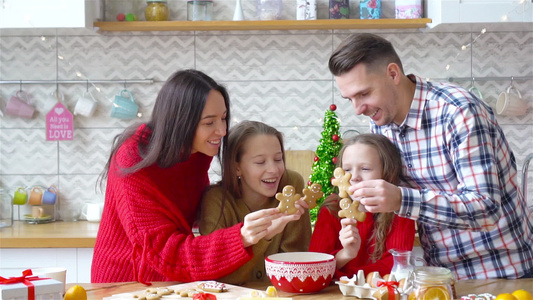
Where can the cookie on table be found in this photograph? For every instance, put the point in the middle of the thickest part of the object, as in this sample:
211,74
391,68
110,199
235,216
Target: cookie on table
189,292
162,291
212,287
147,296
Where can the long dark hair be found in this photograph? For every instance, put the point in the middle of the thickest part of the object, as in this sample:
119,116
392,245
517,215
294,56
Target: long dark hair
392,170
365,48
173,123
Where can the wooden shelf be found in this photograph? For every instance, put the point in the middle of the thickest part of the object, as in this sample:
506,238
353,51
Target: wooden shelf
263,25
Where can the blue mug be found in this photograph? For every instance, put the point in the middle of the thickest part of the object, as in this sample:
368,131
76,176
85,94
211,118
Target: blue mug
50,196
124,106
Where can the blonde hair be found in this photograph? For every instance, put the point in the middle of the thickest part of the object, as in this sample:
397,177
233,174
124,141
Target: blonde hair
392,170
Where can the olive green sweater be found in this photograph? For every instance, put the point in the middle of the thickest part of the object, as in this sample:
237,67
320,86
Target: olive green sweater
295,237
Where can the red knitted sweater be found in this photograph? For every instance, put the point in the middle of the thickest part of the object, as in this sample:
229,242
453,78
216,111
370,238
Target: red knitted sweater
325,239
145,233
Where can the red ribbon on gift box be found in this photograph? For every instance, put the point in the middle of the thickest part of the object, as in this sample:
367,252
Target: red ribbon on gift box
391,285
26,279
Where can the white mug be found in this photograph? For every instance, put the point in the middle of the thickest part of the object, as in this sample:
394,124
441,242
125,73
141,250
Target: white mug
510,103
86,105
92,211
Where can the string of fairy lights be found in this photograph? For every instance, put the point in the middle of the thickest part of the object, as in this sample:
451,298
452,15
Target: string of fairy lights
522,6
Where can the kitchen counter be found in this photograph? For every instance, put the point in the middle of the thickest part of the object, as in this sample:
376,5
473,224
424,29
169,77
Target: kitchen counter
81,234
462,287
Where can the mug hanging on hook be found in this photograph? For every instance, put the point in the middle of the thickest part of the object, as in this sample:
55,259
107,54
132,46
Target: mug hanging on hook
19,105
510,102
474,90
124,106
86,104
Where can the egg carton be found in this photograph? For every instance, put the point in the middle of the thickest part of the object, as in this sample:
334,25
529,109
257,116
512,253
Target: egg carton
360,291
364,287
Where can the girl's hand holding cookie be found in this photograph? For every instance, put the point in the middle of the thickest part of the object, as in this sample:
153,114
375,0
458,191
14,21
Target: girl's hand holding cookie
256,225
349,236
350,240
278,225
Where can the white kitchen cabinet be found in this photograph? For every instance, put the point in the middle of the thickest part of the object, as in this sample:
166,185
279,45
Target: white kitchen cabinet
77,261
49,13
445,12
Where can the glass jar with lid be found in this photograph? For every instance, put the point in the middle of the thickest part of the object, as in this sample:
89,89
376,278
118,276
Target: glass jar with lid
6,209
199,10
269,9
431,283
156,10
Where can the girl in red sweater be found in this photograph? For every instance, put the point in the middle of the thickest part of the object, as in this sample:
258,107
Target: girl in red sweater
156,174
364,245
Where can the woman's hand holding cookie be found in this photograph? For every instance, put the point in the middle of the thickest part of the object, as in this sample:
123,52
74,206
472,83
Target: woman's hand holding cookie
256,225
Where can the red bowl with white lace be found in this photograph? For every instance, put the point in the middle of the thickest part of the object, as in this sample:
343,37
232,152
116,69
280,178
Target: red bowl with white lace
300,272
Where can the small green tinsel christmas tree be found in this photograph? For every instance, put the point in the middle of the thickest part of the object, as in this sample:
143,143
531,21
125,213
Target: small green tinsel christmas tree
326,157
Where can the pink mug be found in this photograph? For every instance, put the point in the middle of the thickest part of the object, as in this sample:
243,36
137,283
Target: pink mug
19,106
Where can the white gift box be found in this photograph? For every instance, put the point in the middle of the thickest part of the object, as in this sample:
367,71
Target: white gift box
45,289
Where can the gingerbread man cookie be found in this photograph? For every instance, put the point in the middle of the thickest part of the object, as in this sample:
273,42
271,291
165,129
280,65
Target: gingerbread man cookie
342,181
312,194
147,296
190,292
350,209
162,291
287,199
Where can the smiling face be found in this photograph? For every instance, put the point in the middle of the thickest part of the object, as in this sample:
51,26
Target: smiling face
212,126
372,93
260,168
363,162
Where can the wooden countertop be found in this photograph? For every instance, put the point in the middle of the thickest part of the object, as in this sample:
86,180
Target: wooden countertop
462,287
81,234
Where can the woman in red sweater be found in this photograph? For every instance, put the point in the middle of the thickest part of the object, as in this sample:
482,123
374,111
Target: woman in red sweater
364,245
156,174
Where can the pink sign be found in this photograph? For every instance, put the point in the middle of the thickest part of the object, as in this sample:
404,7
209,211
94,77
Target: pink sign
59,124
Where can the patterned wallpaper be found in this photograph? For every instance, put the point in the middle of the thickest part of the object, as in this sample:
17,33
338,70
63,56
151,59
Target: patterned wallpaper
278,77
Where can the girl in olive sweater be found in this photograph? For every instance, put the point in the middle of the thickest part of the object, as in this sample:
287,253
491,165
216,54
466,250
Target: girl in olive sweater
253,172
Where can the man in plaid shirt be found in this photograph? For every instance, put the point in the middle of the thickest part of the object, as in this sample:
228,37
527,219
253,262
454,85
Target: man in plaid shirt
471,215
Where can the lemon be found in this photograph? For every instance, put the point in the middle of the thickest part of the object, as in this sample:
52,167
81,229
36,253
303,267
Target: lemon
522,295
271,291
505,296
76,292
436,293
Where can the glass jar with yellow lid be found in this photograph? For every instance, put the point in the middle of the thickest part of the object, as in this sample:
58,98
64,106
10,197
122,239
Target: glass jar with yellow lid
431,283
156,10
